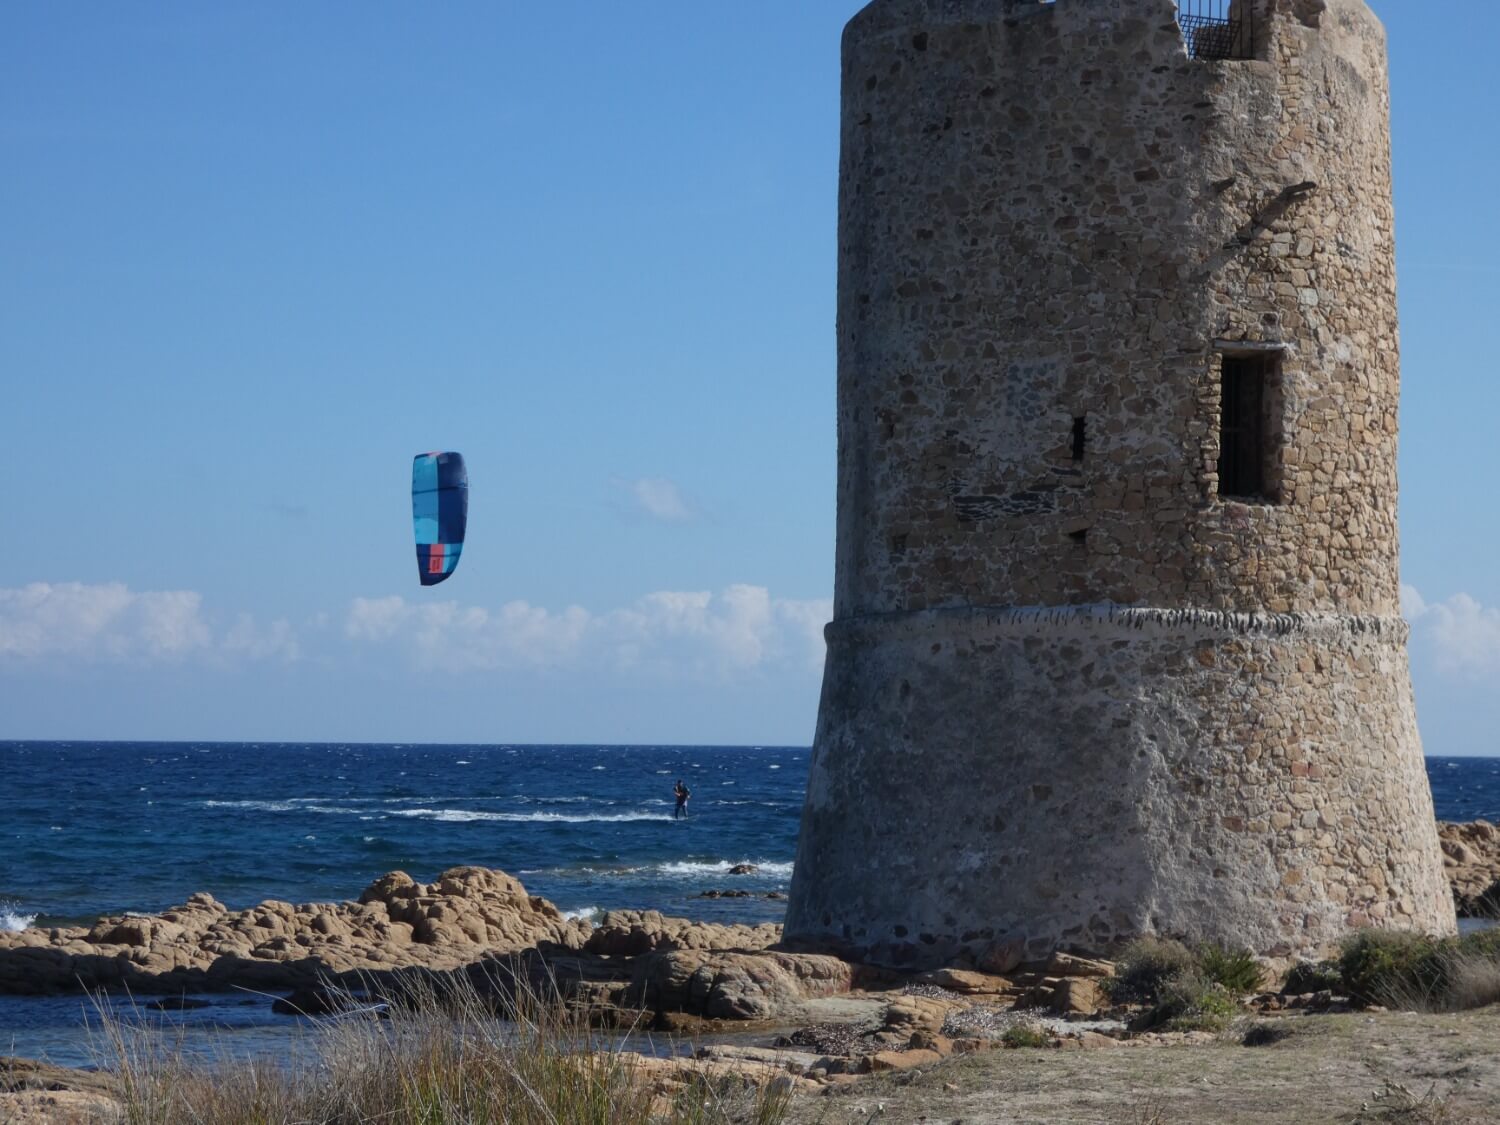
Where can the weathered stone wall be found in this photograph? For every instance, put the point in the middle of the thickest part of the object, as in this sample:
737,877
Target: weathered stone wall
1040,220
1050,213
1081,775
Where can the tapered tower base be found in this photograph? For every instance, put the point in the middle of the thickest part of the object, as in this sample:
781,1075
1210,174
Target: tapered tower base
1081,776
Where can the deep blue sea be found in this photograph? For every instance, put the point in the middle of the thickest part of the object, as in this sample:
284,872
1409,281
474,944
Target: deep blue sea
95,828
92,828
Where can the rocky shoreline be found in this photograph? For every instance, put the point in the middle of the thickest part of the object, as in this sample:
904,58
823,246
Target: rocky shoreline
473,920
809,1020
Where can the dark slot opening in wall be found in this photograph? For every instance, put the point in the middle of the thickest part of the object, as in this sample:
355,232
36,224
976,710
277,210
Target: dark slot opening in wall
1080,435
1245,430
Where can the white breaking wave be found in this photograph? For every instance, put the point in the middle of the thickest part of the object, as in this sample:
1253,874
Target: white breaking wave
292,804
11,918
584,914
461,816
688,869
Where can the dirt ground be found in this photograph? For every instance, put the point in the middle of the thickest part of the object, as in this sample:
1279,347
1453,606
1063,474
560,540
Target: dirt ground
1359,1068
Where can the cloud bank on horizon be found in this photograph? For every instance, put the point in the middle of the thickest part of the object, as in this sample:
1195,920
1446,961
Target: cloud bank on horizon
740,627
679,649
697,633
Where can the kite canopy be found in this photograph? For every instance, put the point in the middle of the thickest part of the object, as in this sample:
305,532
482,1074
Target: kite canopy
439,513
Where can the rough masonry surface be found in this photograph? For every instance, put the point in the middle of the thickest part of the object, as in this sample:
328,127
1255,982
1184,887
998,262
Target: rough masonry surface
1073,694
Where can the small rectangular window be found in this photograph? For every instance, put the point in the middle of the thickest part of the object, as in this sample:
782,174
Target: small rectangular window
1246,457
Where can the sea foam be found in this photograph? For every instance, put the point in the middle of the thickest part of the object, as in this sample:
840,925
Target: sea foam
690,869
11,918
462,816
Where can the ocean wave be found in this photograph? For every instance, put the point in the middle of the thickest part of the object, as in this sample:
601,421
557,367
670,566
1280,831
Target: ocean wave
691,869
462,816
583,914
673,869
11,918
290,804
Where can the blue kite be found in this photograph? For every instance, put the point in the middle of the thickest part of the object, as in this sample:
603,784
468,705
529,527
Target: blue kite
439,513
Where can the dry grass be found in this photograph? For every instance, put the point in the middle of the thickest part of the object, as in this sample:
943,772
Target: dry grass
443,1053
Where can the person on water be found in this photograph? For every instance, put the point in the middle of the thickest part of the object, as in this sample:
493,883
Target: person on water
682,793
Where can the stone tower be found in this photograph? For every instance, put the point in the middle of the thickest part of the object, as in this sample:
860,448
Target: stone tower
1116,645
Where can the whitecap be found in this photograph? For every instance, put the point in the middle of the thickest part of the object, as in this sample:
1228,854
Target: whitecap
464,816
599,767
774,766
11,918
583,914
290,804
690,869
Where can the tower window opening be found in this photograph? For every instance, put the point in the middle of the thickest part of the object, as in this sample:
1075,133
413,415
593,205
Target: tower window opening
1218,29
1247,433
1080,436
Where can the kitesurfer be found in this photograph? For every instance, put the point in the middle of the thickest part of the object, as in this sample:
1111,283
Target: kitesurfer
682,793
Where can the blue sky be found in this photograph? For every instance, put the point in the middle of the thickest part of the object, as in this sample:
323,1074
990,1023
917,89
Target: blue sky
257,258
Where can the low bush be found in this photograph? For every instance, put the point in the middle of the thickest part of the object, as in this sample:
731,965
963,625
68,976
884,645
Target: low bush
1188,1002
1313,976
1390,966
1235,969
1025,1035
1418,973
1144,967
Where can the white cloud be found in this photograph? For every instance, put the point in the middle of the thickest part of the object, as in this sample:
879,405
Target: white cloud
276,640
1413,605
109,621
739,630
660,499
101,621
666,632
375,619
1463,634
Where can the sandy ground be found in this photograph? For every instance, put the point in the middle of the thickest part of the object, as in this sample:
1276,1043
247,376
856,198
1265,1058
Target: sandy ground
1390,1067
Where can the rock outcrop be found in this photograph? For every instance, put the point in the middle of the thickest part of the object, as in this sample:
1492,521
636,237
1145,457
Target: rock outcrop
1471,860
634,963
630,933
467,914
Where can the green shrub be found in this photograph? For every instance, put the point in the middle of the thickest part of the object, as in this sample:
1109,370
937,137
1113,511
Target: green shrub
1380,966
1025,1035
1189,1002
1481,943
1144,967
1313,976
1235,969
1413,972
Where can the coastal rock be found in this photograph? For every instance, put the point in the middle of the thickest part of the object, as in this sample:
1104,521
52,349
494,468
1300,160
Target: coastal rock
466,915
631,933
1077,996
965,981
1471,860
733,985
39,1092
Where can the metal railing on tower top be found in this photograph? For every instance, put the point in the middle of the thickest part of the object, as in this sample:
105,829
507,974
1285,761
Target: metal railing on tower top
1218,29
